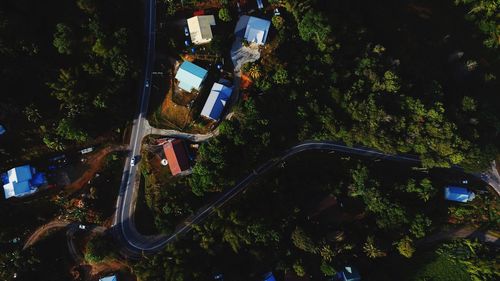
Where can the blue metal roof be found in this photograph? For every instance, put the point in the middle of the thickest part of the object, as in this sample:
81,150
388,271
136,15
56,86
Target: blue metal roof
219,95
269,277
16,189
190,76
19,174
458,194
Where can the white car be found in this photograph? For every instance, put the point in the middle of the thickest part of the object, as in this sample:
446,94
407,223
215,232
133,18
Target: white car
81,226
147,83
132,161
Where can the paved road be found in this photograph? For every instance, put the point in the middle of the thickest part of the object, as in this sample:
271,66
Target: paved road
134,244
123,223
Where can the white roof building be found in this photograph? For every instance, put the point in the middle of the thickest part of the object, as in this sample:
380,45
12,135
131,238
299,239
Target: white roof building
200,29
257,30
109,278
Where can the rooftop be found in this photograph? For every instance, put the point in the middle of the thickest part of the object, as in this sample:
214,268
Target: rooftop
190,76
219,95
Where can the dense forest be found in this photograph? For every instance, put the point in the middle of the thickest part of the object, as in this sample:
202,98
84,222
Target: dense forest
414,77
68,73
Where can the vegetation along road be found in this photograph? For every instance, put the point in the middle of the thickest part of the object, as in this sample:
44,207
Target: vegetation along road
135,244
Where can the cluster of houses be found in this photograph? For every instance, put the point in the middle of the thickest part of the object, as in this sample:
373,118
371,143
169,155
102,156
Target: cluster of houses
21,181
190,77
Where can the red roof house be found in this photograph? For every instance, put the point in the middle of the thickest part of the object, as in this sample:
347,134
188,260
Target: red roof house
177,156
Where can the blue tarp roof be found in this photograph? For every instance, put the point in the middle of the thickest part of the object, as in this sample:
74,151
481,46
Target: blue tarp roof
458,194
2,130
190,76
18,181
219,95
269,277
38,179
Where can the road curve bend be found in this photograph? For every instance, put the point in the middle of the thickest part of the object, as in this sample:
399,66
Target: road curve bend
133,244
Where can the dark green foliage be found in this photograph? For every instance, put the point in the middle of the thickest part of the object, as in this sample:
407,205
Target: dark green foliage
63,39
484,13
100,248
225,15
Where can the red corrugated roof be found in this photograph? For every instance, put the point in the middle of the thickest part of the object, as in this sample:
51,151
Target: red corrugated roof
177,157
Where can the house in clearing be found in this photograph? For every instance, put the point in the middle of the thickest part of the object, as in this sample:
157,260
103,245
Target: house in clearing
219,96
177,156
190,76
200,29
21,181
253,29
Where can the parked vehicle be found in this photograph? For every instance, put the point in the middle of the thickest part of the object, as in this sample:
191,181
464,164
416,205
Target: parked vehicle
186,31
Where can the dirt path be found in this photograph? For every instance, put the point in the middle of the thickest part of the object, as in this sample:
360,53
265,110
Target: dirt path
92,272
43,230
94,162
464,232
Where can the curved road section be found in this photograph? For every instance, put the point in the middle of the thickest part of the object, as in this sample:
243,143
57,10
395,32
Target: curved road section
134,244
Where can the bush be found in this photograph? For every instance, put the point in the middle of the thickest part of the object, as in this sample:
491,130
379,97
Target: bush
405,247
278,22
100,248
224,15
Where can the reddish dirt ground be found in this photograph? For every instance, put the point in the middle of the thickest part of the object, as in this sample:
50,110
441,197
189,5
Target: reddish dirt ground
246,82
94,162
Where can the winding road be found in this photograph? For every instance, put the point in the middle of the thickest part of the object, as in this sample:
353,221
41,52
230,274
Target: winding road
134,244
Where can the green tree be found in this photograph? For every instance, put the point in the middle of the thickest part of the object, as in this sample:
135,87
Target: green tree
314,27
63,39
68,130
420,226
299,269
371,250
278,22
280,77
99,248
405,247
302,241
225,15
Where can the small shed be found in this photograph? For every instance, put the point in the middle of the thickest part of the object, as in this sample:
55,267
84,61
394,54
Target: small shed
190,76
219,96
458,194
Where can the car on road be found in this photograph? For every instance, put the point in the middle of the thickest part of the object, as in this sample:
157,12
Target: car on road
132,161
81,226
147,83
186,31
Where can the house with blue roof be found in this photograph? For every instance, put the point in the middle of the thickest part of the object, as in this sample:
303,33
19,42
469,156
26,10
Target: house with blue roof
219,96
109,278
21,181
190,76
458,194
252,29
